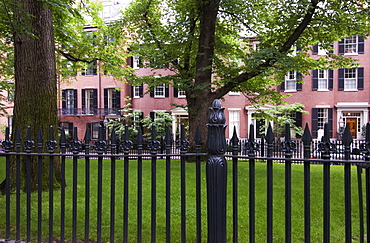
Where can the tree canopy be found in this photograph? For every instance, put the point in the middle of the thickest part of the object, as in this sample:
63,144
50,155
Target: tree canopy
208,43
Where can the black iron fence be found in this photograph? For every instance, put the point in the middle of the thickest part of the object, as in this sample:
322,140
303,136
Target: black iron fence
108,192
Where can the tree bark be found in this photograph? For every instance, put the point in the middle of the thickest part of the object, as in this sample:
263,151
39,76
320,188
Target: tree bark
35,98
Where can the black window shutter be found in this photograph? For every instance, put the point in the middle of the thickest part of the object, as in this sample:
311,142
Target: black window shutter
315,79
175,92
131,61
330,121
151,91
330,79
75,98
315,49
360,78
105,98
83,94
298,119
314,123
282,86
70,129
332,50
118,99
152,115
166,91
64,100
141,90
95,97
298,81
360,44
341,79
341,46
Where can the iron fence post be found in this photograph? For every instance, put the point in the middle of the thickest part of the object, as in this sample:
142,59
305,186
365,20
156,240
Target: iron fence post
216,172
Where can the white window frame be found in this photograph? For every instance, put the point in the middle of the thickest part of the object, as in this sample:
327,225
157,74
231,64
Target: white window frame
290,81
181,93
136,62
70,100
159,91
322,80
136,92
351,45
350,79
89,101
234,121
322,117
112,98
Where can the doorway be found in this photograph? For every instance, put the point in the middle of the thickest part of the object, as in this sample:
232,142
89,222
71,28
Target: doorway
352,125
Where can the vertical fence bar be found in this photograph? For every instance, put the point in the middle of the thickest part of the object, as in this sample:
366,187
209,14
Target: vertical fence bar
365,150
168,141
87,184
114,140
39,186
183,145
100,146
288,147
154,146
251,148
198,142
139,185
126,145
28,146
7,145
63,183
18,185
325,148
269,184
75,147
307,140
367,200
216,173
347,141
235,152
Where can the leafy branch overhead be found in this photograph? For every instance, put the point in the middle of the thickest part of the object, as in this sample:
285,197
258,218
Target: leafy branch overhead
169,33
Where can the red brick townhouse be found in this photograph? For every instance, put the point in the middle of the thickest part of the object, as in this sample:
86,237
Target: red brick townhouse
94,98
337,96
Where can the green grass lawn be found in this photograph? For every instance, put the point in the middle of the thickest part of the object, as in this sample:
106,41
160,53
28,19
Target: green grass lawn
337,203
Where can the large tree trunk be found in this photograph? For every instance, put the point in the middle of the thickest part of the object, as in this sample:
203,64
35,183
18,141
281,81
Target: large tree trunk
35,102
199,100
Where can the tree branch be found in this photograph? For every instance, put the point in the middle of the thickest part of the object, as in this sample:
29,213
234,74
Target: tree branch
272,60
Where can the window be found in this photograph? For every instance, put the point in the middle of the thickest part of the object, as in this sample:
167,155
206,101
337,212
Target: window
112,101
323,79
350,79
322,117
90,69
181,93
69,101
290,81
234,121
351,45
159,91
136,91
95,130
89,101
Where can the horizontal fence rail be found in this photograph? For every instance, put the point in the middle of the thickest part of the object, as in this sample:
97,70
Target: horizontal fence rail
165,191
